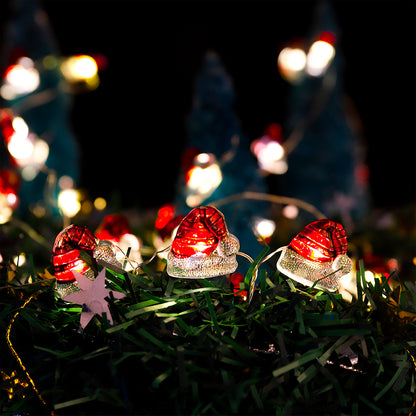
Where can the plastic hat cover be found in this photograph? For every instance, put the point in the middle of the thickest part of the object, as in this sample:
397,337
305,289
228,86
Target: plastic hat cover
317,255
203,247
65,256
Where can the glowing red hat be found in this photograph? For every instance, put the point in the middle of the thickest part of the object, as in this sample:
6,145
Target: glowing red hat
317,255
65,256
202,246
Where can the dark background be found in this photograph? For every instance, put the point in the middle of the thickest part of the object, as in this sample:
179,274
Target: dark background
132,128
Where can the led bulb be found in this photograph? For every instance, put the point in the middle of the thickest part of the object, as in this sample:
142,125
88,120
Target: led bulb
202,179
291,63
79,68
68,202
20,79
320,55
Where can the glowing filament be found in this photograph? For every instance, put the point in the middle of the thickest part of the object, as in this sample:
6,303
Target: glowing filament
20,126
205,179
291,62
202,179
290,211
79,68
20,147
100,203
270,155
319,57
68,202
20,259
20,79
265,227
6,210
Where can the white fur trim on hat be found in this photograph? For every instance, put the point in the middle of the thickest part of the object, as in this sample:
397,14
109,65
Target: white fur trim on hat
325,275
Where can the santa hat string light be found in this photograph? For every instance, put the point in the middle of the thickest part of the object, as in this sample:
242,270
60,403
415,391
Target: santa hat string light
269,150
203,174
66,258
317,256
204,248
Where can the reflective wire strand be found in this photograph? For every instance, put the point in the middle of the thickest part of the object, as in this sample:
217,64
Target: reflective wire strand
16,356
270,198
143,263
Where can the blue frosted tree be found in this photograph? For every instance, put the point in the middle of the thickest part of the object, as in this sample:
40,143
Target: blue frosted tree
213,127
326,155
46,109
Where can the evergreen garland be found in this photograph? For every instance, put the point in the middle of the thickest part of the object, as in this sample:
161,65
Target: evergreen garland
181,346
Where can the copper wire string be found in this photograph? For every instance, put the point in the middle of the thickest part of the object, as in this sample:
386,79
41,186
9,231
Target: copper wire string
16,355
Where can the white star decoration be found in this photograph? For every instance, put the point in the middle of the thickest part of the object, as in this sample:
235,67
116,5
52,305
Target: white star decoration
92,297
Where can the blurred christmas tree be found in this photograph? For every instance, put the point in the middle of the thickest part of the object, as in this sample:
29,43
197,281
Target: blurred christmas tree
325,153
36,105
217,161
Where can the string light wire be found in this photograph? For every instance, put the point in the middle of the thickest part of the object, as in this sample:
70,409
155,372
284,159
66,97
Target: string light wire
16,355
143,263
270,198
321,98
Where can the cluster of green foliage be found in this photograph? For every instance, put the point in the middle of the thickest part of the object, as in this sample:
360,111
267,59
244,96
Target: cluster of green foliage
182,346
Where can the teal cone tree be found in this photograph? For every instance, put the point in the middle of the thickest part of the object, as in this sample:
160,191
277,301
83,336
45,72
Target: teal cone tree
214,128
326,155
46,108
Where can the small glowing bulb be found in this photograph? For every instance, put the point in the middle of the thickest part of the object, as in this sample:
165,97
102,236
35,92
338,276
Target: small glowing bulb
203,158
79,68
79,266
40,151
293,58
275,150
100,203
11,199
68,202
26,148
393,264
319,57
20,79
65,182
130,240
193,200
20,126
20,147
204,180
290,211
272,162
291,62
265,227
369,277
127,241
199,247
19,260
29,172
6,210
